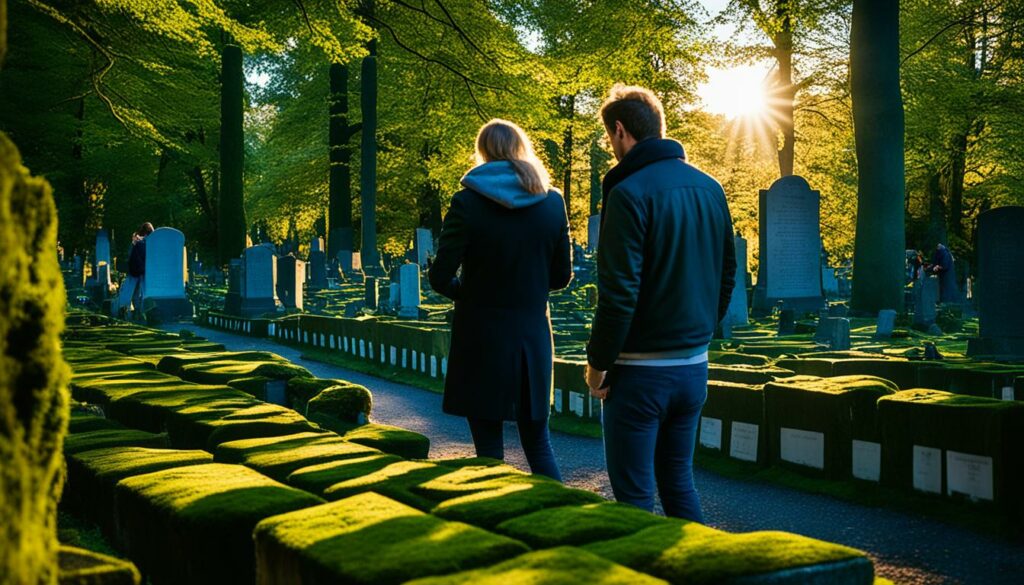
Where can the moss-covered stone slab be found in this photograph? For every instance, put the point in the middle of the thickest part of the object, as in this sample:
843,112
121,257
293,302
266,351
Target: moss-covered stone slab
172,364
317,478
92,476
471,479
394,481
578,525
741,374
100,439
194,524
300,391
690,553
558,566
207,425
85,567
734,358
370,539
738,412
954,431
812,422
81,422
390,439
490,508
149,409
278,457
348,403
224,371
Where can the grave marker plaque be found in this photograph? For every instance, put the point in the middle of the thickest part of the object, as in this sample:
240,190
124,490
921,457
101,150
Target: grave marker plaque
790,247
711,432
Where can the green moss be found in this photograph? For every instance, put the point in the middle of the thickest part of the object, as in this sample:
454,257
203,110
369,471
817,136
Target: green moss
732,358
753,375
93,474
394,481
370,539
101,439
348,402
172,364
207,426
224,371
83,423
150,409
300,391
194,524
560,566
687,552
490,508
278,457
83,567
394,440
577,525
317,478
467,480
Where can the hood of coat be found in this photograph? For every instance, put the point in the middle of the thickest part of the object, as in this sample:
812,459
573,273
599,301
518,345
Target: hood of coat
498,181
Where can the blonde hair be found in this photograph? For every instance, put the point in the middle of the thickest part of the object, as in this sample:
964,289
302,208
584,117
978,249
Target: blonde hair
503,140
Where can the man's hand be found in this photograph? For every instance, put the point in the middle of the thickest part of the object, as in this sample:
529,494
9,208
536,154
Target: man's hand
595,381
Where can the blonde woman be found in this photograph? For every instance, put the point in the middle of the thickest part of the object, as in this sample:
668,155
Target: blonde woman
508,232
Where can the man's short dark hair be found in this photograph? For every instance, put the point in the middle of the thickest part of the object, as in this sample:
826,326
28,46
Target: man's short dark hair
637,108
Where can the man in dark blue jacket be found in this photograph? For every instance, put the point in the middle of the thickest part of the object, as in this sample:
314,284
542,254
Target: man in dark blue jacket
666,269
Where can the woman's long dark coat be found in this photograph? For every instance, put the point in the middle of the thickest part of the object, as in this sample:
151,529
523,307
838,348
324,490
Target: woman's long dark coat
511,258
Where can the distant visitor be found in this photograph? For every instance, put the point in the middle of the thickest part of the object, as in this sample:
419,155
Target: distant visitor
130,296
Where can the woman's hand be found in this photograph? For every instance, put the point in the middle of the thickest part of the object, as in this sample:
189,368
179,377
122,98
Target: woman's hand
595,380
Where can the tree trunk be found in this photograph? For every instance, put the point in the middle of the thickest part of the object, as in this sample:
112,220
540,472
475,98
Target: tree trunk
368,160
339,136
598,161
231,206
878,129
936,215
785,92
567,147
952,184
429,200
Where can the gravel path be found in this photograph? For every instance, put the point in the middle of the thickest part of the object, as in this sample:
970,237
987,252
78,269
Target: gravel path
906,548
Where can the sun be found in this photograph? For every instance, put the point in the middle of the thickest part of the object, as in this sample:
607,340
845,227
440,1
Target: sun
738,92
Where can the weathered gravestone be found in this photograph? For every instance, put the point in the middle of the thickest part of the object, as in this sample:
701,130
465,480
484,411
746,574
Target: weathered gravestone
344,260
233,298
423,245
738,312
102,247
886,323
316,244
409,291
318,270
394,295
833,332
372,292
790,247
291,275
259,281
1000,283
926,295
787,322
164,284
593,232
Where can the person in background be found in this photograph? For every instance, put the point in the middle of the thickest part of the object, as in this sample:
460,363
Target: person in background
509,233
666,267
942,265
130,295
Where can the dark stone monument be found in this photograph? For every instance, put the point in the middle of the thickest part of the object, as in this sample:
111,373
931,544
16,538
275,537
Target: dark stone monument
1000,283
372,292
834,332
787,322
790,247
886,323
926,295
233,298
318,270
291,275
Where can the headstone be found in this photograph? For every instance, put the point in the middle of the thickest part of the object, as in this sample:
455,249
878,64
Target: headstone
409,293
233,298
886,323
999,285
372,291
829,282
316,244
737,313
344,260
357,261
790,247
394,294
834,332
423,245
926,295
259,281
318,270
742,262
787,322
291,275
593,232
102,247
164,285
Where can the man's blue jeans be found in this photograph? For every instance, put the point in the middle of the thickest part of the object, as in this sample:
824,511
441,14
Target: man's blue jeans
650,427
